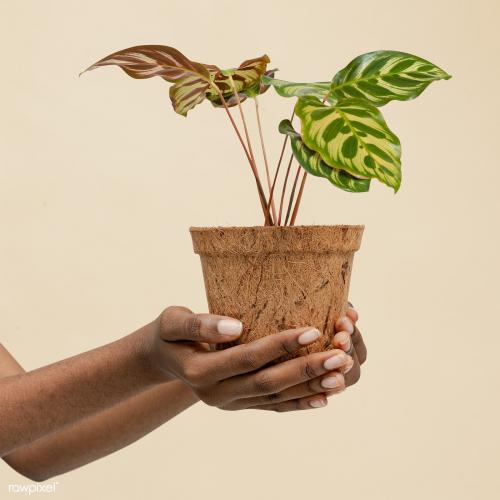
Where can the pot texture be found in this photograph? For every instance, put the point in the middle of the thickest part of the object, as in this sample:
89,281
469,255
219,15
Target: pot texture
276,278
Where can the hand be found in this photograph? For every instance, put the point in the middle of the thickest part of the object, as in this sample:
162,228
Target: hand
238,377
349,339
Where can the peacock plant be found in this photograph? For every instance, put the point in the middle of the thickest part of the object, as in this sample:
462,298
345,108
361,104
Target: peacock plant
343,136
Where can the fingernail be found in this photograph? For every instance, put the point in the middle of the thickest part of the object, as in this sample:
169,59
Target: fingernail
317,403
309,336
350,364
345,343
330,382
348,326
334,362
229,326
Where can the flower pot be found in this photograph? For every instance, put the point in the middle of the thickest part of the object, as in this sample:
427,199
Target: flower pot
276,278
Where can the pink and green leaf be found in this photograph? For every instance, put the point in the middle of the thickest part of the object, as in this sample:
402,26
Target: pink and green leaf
191,79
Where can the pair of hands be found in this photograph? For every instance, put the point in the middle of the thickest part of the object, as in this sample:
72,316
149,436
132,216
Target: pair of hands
239,377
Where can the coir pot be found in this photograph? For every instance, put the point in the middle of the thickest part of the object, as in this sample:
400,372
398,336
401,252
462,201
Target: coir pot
275,278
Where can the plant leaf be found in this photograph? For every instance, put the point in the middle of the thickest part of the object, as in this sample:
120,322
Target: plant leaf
191,79
312,162
256,89
385,75
292,89
351,135
247,74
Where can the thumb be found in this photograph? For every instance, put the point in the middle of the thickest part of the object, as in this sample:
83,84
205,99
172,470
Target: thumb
179,323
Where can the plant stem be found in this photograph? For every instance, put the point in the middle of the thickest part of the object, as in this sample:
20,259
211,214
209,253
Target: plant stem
284,189
240,108
271,195
292,194
250,150
264,154
262,197
301,190
299,197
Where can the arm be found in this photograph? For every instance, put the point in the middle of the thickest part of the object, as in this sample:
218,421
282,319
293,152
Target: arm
98,435
66,414
48,399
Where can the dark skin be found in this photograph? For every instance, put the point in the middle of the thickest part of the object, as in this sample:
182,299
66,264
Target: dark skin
62,416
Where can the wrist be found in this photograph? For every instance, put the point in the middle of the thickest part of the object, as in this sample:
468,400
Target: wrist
148,353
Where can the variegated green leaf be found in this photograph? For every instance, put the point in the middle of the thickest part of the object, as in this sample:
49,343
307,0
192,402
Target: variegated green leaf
351,135
256,89
385,75
312,162
292,89
247,74
191,79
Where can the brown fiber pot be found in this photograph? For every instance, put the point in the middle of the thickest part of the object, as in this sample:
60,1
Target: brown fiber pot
276,278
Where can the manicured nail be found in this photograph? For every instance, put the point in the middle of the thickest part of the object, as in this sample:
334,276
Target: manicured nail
334,362
344,340
352,314
229,326
309,336
349,365
348,326
318,403
330,382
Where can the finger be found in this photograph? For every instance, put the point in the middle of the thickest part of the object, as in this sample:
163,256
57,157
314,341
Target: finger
284,375
344,324
179,323
332,382
352,314
344,341
309,403
359,345
249,357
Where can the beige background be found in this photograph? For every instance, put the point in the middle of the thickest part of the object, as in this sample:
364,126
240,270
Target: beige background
100,180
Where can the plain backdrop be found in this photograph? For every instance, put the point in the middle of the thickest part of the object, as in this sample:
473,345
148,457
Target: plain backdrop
100,181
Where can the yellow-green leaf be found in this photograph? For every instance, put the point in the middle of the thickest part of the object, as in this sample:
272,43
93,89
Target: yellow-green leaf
351,135
385,75
292,89
312,162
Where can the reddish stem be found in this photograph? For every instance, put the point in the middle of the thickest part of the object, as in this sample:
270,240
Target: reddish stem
284,189
301,190
264,154
299,197
292,194
271,195
262,196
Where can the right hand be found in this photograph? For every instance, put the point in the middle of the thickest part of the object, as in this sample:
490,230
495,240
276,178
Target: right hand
237,378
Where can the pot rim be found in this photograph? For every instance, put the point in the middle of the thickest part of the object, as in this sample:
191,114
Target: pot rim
279,228
246,240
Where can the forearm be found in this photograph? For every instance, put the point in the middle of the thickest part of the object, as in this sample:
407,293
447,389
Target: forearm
102,434
46,400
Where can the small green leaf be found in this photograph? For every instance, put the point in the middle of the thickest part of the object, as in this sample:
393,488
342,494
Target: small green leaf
385,75
291,89
351,135
311,162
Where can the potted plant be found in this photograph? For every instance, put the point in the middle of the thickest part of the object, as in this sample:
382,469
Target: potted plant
279,275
